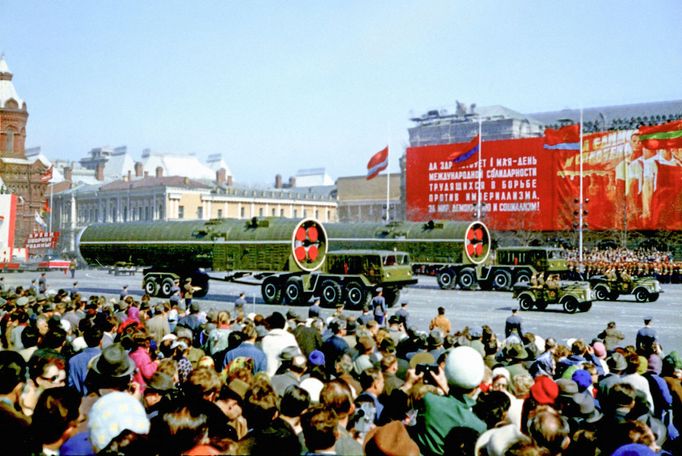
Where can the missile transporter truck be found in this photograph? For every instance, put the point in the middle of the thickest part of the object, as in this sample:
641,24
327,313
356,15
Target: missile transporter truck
284,256
450,250
518,264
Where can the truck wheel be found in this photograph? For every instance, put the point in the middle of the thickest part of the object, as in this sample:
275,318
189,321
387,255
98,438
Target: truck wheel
641,295
271,291
525,302
601,293
392,296
293,290
166,287
540,305
331,292
356,295
151,287
467,279
585,306
570,305
653,297
501,280
446,280
522,277
613,295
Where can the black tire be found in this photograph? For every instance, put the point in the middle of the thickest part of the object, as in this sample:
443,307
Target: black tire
653,297
446,280
522,277
330,292
540,305
502,280
166,287
392,296
355,295
614,295
525,302
467,279
601,293
585,306
570,305
151,287
271,291
293,290
641,295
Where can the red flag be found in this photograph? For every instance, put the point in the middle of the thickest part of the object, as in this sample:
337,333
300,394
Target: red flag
377,163
464,151
46,207
666,136
47,175
567,134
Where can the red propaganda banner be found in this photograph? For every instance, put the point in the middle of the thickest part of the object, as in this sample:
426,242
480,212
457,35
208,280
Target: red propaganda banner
42,240
525,186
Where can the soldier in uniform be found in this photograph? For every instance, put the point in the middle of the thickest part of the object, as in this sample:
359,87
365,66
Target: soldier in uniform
553,282
646,336
189,291
379,306
513,324
611,274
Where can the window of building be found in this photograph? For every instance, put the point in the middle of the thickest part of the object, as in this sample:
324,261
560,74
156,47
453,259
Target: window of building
243,212
305,212
274,211
220,213
295,213
200,212
139,213
9,136
317,214
125,214
260,212
161,212
181,212
281,212
146,212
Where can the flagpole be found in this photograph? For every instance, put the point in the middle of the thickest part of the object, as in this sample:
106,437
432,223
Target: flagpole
478,208
50,208
388,173
580,205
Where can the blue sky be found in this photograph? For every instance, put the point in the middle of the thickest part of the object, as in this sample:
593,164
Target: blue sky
280,86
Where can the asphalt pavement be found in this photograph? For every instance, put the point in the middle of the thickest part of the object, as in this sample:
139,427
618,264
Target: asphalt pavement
463,308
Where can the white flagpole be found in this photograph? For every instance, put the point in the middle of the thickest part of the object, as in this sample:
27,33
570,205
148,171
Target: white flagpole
580,205
50,208
388,186
478,199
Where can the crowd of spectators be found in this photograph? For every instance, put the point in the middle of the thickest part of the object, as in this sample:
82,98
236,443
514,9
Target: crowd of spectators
120,376
637,263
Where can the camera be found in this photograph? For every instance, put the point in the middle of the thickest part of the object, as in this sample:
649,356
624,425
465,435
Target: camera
426,369
363,417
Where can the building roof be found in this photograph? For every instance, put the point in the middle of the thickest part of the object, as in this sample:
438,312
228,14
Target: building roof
313,177
152,181
358,188
216,162
7,90
611,113
178,165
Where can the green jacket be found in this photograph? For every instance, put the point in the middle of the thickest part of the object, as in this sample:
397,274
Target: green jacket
439,415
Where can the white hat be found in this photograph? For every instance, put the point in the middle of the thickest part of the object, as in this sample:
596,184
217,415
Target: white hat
464,368
113,413
169,337
501,371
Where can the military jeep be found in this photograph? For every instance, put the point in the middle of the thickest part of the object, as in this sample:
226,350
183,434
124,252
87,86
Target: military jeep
571,295
645,289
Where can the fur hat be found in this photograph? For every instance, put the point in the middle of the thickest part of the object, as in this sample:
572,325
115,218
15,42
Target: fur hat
464,368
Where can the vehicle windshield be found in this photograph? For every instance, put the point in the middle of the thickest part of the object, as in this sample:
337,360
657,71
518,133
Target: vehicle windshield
556,254
396,259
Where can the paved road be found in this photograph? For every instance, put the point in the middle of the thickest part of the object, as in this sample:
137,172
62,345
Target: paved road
464,308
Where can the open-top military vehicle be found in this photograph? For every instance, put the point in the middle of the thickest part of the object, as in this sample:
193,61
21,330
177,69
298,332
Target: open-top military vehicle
571,295
644,289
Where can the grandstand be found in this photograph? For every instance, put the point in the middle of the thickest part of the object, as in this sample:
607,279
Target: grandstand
441,126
